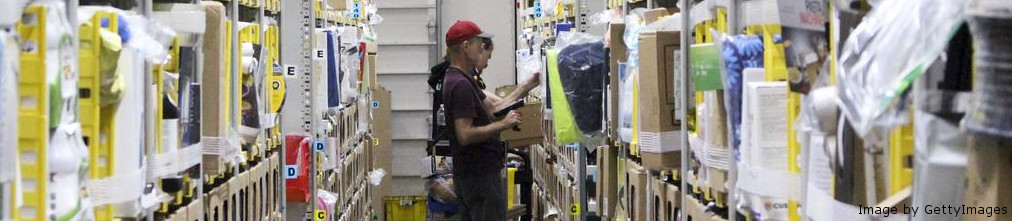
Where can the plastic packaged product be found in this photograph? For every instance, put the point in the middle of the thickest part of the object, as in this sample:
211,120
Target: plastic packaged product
891,47
326,201
350,66
564,125
67,158
738,53
583,70
250,126
628,75
528,63
441,189
333,77
991,26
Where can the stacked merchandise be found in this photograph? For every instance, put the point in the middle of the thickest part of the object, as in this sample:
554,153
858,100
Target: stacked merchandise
132,124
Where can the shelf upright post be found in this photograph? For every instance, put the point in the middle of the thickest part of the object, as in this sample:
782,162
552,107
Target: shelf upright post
683,102
300,117
732,180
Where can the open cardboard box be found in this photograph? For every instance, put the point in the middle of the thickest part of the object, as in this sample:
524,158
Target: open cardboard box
531,122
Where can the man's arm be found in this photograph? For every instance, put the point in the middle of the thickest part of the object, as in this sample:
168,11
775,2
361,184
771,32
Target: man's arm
527,86
490,101
468,134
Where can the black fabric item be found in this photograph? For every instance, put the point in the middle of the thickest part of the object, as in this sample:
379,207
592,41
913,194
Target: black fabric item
583,69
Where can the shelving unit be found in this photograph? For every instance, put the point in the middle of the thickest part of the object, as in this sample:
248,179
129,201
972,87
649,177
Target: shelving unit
798,50
206,111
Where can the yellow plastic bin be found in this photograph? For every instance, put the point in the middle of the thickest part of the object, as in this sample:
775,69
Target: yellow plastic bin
405,208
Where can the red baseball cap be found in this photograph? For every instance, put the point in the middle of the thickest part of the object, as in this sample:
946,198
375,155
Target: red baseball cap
464,30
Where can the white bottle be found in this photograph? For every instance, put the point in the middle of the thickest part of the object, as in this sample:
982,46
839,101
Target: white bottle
441,116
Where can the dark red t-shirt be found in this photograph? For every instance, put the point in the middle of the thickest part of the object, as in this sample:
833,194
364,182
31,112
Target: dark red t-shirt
463,99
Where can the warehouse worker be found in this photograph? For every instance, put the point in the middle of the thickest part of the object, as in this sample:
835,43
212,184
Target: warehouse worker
478,155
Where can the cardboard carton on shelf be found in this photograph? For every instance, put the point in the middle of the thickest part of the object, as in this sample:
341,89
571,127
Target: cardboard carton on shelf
180,215
653,15
195,211
693,208
616,53
660,139
659,194
636,186
218,201
338,4
214,115
672,204
607,189
989,174
715,134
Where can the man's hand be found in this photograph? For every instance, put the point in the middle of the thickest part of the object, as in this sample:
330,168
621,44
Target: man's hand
512,119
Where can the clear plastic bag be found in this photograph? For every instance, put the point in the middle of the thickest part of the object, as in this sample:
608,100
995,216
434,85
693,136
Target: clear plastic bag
441,189
583,72
627,76
893,46
528,63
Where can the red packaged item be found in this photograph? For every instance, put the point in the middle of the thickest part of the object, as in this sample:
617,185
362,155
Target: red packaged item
297,153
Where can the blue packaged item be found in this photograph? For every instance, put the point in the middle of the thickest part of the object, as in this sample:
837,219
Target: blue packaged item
333,85
738,52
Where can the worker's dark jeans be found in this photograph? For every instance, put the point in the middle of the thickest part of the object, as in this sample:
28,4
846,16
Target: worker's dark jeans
482,197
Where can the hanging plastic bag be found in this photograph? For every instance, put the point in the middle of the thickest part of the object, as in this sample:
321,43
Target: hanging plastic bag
627,75
564,127
883,56
441,189
583,70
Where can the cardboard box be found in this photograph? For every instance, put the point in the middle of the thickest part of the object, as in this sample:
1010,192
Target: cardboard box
382,148
693,208
672,204
531,122
338,4
636,186
239,191
660,138
715,130
180,215
607,190
218,202
659,194
989,174
273,183
371,67
195,211
214,114
652,15
616,53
